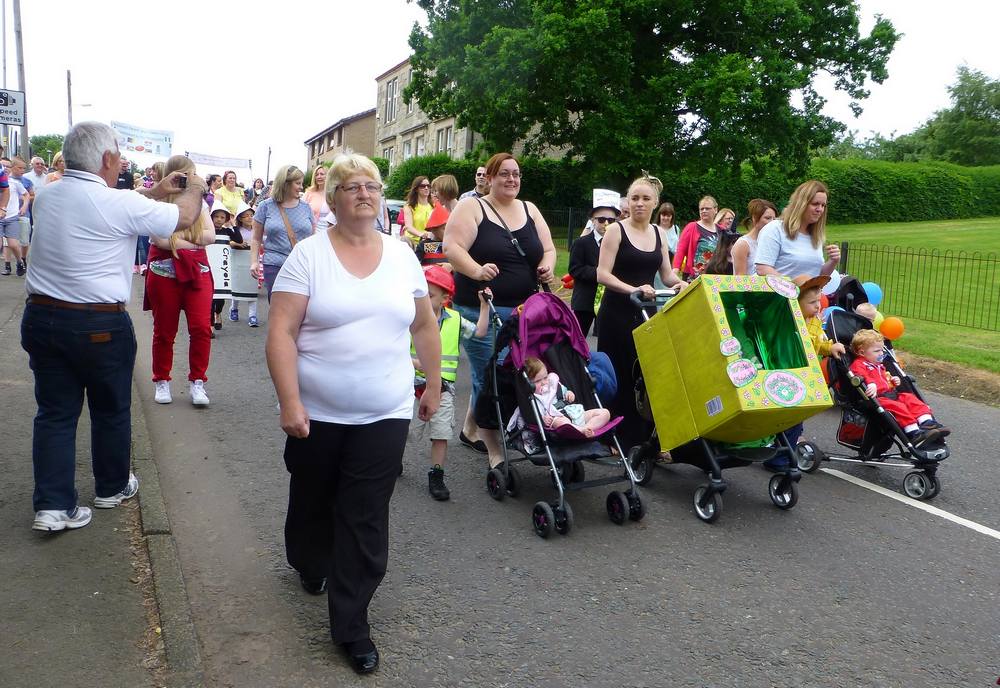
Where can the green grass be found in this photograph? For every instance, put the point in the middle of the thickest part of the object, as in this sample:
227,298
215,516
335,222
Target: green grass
974,347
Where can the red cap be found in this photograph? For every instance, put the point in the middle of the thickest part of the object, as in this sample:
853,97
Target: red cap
435,274
439,216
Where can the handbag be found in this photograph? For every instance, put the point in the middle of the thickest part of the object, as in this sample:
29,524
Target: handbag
288,226
517,246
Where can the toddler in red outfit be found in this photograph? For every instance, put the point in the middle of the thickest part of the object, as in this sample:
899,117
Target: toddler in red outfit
912,414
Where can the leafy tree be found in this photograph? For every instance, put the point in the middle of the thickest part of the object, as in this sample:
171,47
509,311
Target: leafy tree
630,84
967,133
46,145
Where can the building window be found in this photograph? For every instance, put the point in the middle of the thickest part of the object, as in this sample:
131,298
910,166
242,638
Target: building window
407,150
445,140
389,154
391,89
409,105
420,145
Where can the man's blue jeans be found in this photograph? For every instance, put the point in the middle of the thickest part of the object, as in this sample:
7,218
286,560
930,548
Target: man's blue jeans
74,352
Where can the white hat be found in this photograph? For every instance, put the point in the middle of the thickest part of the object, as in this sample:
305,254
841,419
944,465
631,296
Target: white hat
217,206
242,208
606,198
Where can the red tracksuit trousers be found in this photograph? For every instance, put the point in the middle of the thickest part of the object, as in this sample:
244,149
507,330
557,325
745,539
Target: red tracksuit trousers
905,408
168,298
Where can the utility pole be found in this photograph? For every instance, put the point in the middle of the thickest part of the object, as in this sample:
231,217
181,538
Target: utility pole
267,174
25,144
69,99
3,8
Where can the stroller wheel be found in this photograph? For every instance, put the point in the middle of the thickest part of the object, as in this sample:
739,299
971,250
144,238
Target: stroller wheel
708,508
919,485
783,491
642,465
617,507
513,482
636,509
496,485
542,519
563,518
809,457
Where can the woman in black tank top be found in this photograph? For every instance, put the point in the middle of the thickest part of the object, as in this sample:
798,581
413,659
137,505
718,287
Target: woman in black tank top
623,268
483,253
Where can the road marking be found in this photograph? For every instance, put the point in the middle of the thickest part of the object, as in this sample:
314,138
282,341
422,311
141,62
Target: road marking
979,528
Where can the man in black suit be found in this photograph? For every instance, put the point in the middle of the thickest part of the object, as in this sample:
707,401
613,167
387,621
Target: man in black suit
584,255
125,180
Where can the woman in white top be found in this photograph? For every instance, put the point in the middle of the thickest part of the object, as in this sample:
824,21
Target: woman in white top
759,213
344,307
315,196
793,244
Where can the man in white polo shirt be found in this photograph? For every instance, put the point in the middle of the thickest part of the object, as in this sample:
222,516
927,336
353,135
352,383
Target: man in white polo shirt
75,328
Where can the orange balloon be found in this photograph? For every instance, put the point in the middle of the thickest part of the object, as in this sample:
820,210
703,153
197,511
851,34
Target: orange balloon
824,302
891,328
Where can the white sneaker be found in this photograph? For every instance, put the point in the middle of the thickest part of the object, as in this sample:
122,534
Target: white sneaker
198,396
162,392
130,491
60,520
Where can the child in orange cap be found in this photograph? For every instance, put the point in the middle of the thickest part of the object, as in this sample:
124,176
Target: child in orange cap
430,248
453,328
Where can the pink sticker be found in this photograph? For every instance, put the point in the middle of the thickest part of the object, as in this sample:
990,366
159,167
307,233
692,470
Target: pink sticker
730,346
784,389
741,372
782,286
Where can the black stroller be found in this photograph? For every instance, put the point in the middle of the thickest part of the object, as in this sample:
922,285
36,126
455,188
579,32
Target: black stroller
546,328
709,456
866,428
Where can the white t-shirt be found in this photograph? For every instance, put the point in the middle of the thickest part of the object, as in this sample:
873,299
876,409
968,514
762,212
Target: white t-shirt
38,180
83,246
354,343
790,257
17,190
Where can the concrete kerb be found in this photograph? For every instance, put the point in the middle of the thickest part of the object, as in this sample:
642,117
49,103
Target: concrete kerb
180,641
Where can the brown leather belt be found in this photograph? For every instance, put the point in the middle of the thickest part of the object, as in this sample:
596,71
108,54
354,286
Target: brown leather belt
40,300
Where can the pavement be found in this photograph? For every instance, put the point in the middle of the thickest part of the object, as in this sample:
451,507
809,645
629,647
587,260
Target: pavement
849,588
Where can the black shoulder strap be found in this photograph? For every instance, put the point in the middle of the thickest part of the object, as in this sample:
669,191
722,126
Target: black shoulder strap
513,239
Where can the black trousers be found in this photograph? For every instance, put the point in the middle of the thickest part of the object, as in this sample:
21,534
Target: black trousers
586,319
342,477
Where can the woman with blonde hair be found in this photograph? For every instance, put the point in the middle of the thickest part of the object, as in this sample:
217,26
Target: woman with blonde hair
633,252
724,219
285,219
698,240
315,196
346,305
445,187
759,213
417,209
793,244
179,279
59,166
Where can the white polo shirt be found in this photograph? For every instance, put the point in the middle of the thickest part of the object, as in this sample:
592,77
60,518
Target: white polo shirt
83,246
37,179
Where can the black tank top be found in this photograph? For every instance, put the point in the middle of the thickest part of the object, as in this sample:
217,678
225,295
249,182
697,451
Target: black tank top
634,266
518,278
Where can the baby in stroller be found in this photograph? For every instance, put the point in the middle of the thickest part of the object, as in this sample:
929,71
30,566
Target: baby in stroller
557,402
912,414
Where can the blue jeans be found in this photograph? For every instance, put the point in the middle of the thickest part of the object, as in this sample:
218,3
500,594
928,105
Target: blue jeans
72,352
142,250
480,349
270,273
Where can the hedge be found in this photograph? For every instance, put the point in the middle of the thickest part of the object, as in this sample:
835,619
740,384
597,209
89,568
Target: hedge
860,190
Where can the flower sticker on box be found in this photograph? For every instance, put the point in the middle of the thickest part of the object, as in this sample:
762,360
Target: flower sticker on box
784,388
741,372
730,346
782,286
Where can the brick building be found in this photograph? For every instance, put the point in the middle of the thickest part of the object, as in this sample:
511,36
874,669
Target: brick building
355,133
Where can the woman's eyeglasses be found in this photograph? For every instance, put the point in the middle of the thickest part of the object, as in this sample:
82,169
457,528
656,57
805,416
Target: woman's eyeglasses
370,187
423,186
603,220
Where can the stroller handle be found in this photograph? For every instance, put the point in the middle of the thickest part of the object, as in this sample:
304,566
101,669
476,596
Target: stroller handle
637,300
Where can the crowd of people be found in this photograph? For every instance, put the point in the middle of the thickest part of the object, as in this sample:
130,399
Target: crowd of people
365,327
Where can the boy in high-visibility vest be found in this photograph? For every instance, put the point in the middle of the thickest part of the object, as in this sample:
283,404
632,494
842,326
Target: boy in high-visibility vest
441,426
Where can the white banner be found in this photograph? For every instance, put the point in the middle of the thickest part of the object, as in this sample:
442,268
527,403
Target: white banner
215,161
135,139
244,284
218,260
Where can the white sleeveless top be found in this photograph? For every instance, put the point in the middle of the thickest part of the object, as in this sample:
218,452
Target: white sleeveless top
752,252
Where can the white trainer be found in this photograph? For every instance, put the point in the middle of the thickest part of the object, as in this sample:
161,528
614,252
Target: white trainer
51,521
162,392
198,396
130,491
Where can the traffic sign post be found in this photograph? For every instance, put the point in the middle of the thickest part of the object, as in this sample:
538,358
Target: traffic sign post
12,107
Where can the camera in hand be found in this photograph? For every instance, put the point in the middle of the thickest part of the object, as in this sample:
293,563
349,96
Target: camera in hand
182,181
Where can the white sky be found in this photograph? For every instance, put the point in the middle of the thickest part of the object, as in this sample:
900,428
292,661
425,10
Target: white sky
232,78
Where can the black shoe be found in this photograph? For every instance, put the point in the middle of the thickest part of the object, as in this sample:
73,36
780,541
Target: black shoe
21,269
313,586
928,424
436,486
363,655
922,438
478,445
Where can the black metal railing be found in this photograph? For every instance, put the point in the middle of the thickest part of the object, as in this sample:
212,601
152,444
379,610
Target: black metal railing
949,287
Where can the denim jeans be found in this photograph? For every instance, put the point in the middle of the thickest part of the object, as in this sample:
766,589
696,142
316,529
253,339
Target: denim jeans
479,349
270,273
71,353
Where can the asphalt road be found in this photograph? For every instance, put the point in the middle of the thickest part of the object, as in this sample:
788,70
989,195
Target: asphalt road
850,588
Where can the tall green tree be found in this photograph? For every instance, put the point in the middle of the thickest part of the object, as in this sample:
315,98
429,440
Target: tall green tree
967,133
46,145
629,84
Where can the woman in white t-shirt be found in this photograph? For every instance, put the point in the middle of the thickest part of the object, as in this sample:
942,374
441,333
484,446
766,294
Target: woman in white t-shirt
759,213
793,244
344,307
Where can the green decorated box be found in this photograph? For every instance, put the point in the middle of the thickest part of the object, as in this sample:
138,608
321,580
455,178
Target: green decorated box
729,359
